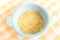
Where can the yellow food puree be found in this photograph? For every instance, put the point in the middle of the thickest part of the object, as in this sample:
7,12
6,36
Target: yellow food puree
30,22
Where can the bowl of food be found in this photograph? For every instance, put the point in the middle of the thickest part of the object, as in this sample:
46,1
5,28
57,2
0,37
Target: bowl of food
29,20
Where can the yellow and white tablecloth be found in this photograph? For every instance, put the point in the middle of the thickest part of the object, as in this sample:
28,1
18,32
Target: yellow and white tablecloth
8,6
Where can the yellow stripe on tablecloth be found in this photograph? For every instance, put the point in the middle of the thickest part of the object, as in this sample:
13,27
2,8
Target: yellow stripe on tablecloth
54,13
12,8
48,7
42,3
32,1
56,24
46,34
8,3
12,36
57,37
53,4
53,27
25,38
8,29
58,9
50,30
2,22
16,5
43,37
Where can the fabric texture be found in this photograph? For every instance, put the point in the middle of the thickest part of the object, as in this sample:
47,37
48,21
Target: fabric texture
7,8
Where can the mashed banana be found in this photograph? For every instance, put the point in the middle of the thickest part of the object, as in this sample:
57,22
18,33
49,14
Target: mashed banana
30,22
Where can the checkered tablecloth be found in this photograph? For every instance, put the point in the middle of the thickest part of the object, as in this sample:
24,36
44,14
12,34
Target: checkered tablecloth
8,6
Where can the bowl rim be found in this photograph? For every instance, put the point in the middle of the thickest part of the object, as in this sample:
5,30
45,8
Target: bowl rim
30,36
